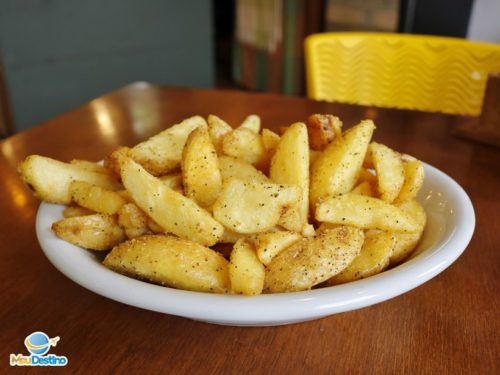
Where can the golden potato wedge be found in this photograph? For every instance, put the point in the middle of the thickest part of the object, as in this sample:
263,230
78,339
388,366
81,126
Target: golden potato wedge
390,171
173,181
96,198
133,220
94,232
232,167
364,188
406,242
251,122
414,179
171,261
200,168
246,145
270,140
50,179
313,156
112,161
322,130
72,211
312,261
253,207
162,153
154,227
367,175
290,165
337,169
364,212
230,236
217,128
89,166
246,272
269,244
172,211
373,258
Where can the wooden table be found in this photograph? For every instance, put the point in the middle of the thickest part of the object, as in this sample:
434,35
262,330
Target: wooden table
448,325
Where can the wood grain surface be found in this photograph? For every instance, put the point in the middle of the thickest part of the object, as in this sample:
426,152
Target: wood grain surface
449,325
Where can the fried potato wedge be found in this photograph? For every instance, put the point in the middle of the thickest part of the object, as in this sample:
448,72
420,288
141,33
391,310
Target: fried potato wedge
290,165
50,179
237,168
322,130
162,153
89,166
94,232
217,128
312,261
200,168
96,198
337,168
133,220
173,181
246,145
270,140
230,236
251,206
414,179
112,161
373,258
246,272
364,188
406,242
171,261
390,171
269,244
72,211
172,211
365,212
251,122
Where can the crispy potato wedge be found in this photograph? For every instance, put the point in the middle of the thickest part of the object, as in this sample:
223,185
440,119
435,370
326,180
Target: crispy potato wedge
50,179
406,242
171,261
312,261
112,161
237,168
217,128
322,130
89,166
337,168
269,244
246,272
133,220
364,188
290,165
373,258
162,153
172,211
253,207
200,168
94,232
230,236
173,181
270,140
365,212
246,145
313,156
72,211
414,179
96,198
251,122
155,227
390,171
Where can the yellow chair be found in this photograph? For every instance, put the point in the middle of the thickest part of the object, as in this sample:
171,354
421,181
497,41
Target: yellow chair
426,73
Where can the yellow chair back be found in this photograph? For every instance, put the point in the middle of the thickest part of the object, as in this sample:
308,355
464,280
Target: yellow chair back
427,73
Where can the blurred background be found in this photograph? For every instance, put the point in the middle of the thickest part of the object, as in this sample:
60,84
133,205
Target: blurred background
58,54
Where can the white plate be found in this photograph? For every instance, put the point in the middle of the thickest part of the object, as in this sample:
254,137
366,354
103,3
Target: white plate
449,229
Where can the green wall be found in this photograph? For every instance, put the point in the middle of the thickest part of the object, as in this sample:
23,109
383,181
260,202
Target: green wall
58,54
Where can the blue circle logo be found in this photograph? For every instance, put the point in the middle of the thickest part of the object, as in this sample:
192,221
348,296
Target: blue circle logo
38,343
